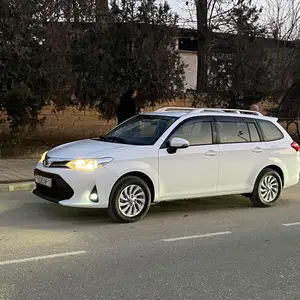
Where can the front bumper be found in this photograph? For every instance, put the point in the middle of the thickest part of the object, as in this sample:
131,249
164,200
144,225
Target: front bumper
59,191
72,188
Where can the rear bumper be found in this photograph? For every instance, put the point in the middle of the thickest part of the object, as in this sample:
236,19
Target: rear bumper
292,180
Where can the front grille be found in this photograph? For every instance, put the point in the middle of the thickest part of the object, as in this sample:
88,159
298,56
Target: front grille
59,164
59,191
54,163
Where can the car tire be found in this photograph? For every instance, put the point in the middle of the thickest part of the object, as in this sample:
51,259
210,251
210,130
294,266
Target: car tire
267,188
130,200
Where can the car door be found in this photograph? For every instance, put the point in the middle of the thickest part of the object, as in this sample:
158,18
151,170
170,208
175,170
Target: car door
193,171
242,154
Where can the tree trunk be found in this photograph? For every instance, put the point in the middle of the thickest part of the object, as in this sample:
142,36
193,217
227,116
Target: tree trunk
101,9
201,7
76,13
68,12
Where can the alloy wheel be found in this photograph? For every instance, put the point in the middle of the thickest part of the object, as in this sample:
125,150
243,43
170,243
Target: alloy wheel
132,200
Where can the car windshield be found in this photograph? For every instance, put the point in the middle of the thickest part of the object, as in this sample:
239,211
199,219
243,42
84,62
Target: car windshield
140,130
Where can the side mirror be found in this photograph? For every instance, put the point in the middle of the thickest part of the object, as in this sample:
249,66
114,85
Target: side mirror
177,143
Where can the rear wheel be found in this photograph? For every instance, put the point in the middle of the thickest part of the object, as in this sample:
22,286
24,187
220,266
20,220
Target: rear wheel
130,200
267,188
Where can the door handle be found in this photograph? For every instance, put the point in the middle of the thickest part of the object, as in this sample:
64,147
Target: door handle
211,153
258,150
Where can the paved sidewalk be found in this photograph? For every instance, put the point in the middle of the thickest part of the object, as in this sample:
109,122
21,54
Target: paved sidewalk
16,170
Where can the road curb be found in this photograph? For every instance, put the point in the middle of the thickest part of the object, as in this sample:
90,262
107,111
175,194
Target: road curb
18,186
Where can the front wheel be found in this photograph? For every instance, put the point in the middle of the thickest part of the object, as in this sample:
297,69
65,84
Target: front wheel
130,200
267,188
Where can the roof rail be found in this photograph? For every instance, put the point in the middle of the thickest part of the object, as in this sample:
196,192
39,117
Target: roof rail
229,110
193,110
173,108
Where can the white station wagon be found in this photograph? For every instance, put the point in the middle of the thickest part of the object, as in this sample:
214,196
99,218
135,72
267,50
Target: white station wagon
170,154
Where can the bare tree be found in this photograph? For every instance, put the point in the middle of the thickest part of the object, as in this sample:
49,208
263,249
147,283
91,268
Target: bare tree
206,16
216,9
283,18
202,26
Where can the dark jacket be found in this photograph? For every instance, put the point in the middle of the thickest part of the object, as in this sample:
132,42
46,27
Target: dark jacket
127,107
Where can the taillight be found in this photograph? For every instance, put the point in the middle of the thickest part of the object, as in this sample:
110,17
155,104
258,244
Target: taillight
295,146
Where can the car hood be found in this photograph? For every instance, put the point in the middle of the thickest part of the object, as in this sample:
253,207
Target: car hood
86,149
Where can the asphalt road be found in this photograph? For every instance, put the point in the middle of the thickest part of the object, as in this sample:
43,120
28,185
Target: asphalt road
218,248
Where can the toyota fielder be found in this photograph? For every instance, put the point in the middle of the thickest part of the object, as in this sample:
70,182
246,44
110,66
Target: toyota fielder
172,154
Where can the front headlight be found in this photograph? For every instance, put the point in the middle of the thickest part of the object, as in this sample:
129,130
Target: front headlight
43,157
88,164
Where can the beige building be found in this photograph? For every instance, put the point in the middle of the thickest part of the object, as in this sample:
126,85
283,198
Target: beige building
190,59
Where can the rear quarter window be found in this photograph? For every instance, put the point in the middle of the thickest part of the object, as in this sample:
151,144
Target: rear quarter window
254,135
271,132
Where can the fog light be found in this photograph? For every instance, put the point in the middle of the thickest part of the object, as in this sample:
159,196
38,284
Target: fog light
94,195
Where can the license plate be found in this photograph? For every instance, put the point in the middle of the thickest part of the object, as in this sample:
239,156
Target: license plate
43,181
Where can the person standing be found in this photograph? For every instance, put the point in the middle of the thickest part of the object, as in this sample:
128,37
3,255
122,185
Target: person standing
127,106
254,107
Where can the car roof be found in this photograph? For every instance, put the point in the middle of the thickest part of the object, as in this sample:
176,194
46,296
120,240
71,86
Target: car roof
189,112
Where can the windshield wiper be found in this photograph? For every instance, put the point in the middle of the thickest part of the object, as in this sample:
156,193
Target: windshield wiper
112,139
115,139
102,138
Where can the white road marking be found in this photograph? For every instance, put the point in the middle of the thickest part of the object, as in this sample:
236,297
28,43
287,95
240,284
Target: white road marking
196,236
16,261
291,224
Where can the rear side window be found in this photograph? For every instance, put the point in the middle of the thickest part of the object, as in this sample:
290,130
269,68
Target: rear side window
233,132
271,132
254,135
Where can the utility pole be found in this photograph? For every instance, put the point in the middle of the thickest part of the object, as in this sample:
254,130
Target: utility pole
202,31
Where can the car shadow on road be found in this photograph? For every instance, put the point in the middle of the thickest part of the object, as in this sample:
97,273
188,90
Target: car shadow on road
34,213
45,215
21,209
202,205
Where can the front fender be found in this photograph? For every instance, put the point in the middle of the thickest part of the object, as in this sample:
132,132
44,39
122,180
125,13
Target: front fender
126,167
